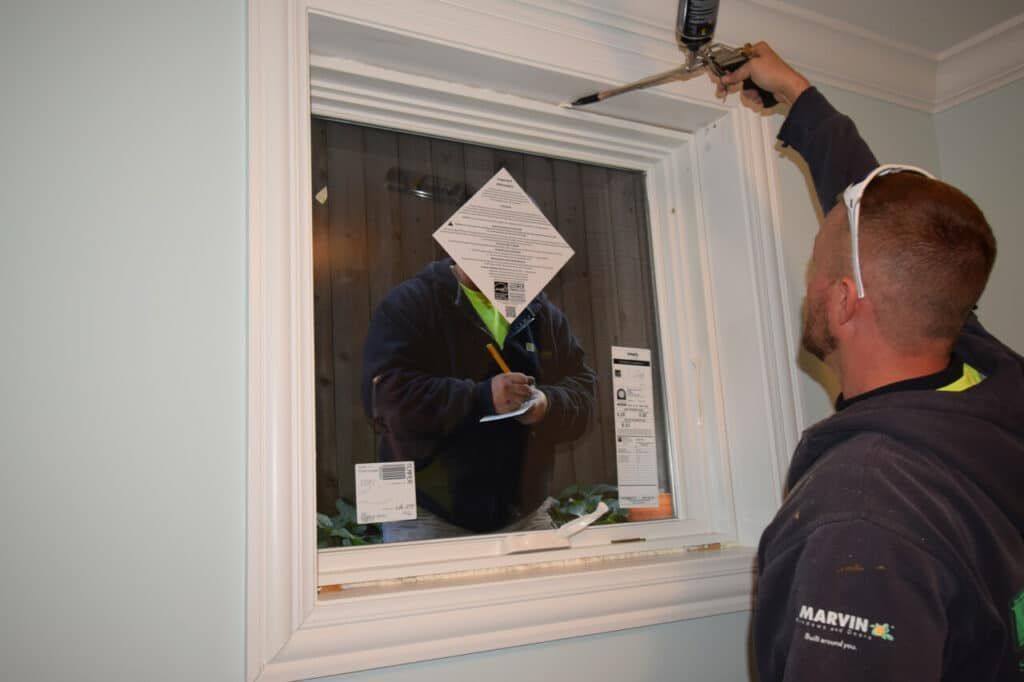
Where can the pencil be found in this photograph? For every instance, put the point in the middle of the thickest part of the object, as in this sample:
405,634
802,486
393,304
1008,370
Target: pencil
498,359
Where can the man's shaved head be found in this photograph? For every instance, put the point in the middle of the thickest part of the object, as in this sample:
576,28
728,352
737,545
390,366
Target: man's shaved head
926,251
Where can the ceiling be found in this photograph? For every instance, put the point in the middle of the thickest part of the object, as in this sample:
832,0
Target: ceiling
935,26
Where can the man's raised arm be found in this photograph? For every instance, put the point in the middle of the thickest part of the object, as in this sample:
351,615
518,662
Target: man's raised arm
826,139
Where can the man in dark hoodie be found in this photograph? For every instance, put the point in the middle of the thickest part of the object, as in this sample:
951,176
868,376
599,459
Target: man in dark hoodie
898,552
428,378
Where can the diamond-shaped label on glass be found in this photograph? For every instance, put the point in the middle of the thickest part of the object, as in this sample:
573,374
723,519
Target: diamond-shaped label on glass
504,244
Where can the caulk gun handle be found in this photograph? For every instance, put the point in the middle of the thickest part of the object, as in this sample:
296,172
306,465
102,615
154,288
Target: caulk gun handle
767,98
735,59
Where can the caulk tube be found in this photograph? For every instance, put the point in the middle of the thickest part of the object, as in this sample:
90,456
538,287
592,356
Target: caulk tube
695,23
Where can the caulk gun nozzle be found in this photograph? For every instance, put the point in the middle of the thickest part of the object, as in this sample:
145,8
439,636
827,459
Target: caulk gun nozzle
589,99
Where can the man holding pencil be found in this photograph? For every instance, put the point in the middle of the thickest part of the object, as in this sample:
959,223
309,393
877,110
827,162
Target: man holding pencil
438,358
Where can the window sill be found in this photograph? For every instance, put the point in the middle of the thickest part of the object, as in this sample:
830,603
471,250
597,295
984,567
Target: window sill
413,620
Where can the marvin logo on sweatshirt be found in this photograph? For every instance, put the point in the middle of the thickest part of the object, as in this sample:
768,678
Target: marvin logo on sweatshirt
848,623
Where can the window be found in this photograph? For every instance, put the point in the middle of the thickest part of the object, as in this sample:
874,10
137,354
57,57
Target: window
495,79
380,194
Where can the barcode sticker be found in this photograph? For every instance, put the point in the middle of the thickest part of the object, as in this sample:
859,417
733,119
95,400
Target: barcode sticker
510,311
385,492
392,472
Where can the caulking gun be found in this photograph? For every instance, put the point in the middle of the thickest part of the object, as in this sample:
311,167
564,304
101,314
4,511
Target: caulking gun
695,27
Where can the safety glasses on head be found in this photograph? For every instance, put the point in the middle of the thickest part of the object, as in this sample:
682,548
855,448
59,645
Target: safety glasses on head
852,196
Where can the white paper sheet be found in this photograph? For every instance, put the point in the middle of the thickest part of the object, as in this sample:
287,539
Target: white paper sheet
522,409
505,244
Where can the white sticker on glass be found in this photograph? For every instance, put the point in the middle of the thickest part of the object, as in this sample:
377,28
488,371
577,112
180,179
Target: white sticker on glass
505,244
636,442
385,491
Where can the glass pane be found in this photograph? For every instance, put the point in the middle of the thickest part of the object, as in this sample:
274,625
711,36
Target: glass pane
402,369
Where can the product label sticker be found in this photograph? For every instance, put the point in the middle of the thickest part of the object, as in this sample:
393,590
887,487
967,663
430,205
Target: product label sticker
385,491
636,443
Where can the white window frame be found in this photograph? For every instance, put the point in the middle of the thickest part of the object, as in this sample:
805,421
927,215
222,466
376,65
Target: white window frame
731,384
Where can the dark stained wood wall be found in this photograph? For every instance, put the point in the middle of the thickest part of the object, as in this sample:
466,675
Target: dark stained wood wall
375,230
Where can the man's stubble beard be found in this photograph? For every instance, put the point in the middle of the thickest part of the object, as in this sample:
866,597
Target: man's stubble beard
816,338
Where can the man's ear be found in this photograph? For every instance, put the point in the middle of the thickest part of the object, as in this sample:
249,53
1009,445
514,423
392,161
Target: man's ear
844,301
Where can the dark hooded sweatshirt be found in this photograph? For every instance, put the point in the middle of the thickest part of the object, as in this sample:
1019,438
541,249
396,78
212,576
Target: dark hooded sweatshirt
426,383
898,552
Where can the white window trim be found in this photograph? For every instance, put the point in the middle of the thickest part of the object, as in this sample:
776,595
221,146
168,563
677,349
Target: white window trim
739,299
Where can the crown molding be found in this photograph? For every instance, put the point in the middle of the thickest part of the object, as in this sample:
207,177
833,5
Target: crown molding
980,65
829,51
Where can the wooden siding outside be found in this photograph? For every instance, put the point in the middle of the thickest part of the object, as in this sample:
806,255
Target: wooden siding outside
375,230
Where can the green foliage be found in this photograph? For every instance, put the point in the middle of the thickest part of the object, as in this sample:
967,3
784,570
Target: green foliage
342,530
577,500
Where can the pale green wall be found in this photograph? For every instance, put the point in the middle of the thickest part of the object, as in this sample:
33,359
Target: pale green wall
122,358
122,355
981,146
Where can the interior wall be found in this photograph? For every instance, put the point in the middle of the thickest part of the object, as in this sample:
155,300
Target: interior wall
122,356
981,144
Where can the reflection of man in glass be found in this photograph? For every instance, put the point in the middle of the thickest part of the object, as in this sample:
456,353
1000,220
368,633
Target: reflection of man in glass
428,378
